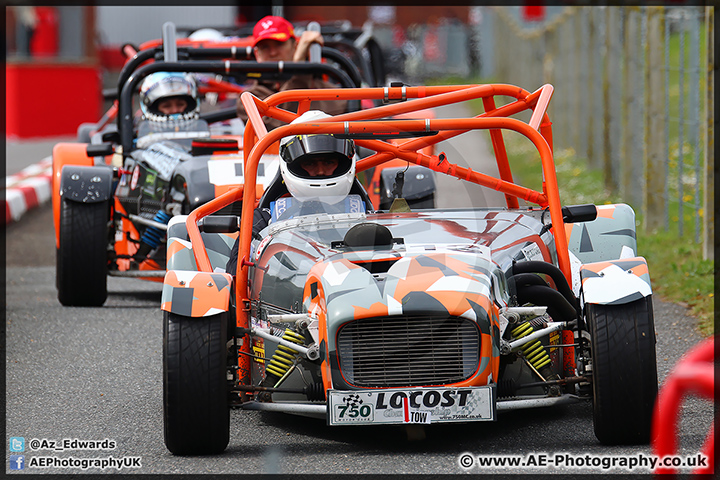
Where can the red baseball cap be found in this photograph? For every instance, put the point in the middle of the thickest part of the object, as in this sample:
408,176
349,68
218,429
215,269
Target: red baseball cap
275,28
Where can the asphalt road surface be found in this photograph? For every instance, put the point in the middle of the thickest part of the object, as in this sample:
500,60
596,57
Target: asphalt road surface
96,374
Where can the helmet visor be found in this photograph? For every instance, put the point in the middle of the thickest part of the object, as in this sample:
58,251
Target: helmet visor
318,156
320,165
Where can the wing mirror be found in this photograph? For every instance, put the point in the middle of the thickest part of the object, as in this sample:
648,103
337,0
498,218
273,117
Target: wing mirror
112,136
100,150
579,213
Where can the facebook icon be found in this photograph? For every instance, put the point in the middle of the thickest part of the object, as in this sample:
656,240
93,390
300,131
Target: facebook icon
17,462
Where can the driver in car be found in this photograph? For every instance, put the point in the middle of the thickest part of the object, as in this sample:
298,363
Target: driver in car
274,41
319,167
169,97
168,103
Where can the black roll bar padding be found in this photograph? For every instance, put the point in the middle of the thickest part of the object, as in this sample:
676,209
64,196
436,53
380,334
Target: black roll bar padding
222,67
223,53
377,59
133,64
184,53
386,136
350,68
219,224
219,115
240,53
336,55
110,93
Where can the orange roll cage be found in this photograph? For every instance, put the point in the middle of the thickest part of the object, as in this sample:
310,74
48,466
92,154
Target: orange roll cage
374,121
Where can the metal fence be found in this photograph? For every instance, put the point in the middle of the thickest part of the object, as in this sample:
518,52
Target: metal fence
631,94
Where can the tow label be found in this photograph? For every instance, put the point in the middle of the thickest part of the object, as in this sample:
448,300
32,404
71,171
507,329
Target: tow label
418,405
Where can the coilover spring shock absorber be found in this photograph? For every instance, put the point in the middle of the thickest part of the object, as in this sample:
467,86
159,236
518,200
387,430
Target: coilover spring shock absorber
152,236
283,359
536,355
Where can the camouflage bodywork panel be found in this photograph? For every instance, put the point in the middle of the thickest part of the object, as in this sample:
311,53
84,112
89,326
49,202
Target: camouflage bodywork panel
443,283
287,254
610,236
615,282
196,294
177,227
179,249
180,255
442,264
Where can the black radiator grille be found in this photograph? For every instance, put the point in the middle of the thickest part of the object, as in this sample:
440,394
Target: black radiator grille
408,351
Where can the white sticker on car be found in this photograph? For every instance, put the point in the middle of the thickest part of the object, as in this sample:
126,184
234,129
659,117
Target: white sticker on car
532,252
415,405
229,170
135,177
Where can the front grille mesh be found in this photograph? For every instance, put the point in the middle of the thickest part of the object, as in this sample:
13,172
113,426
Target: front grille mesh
408,351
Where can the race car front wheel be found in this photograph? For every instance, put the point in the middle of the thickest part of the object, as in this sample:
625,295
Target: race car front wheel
624,371
195,395
81,266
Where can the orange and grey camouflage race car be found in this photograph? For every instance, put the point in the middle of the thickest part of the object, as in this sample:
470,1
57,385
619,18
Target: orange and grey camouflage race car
401,316
115,191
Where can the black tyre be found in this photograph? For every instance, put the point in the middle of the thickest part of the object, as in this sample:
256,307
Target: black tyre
624,371
81,266
195,394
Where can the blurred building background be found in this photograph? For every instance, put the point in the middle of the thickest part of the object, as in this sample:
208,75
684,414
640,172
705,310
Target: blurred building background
79,47
633,83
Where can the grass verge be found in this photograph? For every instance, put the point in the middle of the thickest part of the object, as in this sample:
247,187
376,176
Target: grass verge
677,270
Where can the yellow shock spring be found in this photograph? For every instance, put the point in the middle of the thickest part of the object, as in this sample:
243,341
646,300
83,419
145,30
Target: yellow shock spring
534,352
284,357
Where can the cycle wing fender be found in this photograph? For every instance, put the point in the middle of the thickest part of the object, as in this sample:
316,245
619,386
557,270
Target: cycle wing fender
180,254
86,184
611,235
615,282
196,294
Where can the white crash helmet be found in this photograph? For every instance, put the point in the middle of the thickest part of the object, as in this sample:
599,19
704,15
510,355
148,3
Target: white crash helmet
161,85
294,149
207,34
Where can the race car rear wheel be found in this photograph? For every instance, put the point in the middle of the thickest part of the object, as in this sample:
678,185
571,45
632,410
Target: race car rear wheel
624,371
81,267
195,394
